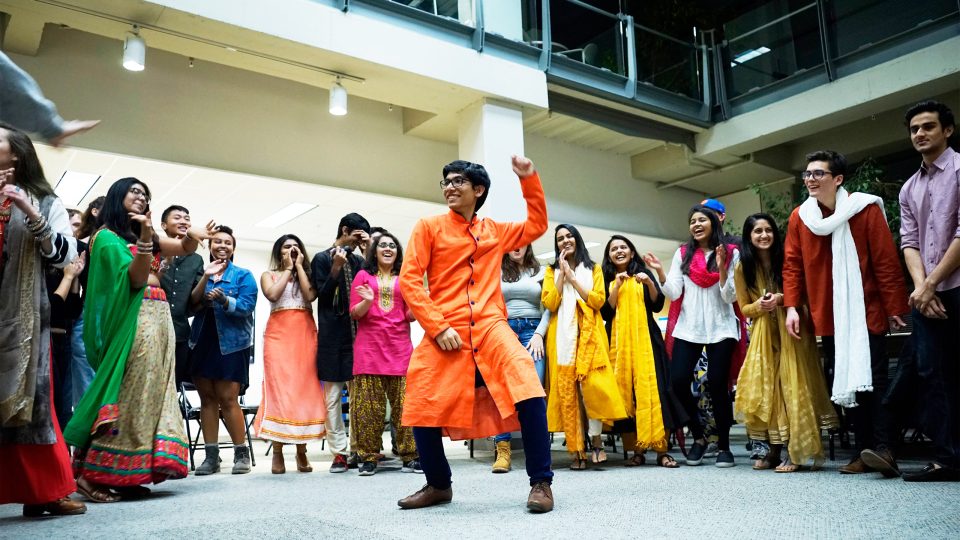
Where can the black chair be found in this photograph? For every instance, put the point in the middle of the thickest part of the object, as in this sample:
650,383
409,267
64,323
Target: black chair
191,413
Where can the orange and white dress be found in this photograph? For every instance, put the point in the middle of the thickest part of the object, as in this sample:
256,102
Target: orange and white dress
293,408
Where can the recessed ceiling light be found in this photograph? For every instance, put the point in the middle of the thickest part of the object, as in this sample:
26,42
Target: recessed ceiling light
285,214
748,54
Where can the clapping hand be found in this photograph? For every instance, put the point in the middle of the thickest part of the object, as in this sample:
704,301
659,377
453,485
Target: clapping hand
214,268
653,262
365,292
76,266
721,255
216,296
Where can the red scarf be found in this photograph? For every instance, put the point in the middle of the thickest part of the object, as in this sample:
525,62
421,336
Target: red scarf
704,278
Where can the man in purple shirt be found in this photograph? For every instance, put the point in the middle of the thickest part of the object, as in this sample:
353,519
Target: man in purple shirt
930,239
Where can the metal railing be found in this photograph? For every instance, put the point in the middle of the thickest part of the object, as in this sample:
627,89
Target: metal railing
711,75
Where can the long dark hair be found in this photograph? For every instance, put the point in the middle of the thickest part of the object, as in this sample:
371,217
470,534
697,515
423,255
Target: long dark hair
511,271
88,221
750,259
115,217
580,254
716,238
370,261
276,259
27,172
634,266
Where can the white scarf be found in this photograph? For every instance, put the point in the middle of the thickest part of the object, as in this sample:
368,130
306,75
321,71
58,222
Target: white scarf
567,329
852,372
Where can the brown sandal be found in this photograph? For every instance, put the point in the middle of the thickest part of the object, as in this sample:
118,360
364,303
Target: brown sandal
636,461
787,467
578,464
667,462
97,494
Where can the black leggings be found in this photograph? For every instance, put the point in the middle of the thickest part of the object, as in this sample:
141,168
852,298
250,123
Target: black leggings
682,363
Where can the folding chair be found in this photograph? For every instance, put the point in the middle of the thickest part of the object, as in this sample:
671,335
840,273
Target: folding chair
191,413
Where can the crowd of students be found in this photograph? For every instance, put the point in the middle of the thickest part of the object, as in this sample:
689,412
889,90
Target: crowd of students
585,333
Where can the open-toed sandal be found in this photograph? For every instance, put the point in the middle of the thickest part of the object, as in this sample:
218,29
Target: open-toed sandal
636,461
578,464
787,467
97,494
599,455
666,461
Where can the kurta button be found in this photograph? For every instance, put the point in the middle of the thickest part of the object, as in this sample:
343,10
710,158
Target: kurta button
471,260
473,323
472,302
476,350
478,239
472,282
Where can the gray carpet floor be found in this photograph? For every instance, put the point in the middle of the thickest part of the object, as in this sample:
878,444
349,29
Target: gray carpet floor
611,501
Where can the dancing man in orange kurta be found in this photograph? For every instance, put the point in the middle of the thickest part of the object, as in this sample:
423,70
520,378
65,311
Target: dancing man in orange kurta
471,377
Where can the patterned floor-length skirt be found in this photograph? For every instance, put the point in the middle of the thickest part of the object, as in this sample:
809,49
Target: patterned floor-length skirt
146,442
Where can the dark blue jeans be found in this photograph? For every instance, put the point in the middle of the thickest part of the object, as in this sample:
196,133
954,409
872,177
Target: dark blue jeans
536,446
937,342
524,329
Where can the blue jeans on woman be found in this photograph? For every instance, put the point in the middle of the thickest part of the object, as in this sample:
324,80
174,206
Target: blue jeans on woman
524,329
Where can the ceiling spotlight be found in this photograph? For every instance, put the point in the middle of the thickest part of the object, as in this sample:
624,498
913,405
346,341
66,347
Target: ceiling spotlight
190,62
134,51
338,99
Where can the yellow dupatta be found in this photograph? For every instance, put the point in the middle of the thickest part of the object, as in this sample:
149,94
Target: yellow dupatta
631,352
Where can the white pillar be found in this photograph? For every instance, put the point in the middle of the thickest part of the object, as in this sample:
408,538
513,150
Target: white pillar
491,132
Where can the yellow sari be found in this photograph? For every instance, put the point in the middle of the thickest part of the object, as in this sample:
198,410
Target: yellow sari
631,353
590,377
781,394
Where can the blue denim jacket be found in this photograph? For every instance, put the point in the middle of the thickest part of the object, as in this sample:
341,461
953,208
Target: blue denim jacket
234,322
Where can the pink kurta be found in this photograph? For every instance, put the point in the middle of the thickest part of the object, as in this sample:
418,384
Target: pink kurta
382,345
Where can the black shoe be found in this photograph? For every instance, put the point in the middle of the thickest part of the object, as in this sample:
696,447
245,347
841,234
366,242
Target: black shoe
695,455
933,473
353,461
725,459
412,466
368,468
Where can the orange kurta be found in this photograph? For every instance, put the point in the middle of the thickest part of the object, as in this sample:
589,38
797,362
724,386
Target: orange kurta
461,262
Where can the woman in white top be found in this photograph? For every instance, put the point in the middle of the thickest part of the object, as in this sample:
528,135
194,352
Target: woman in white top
521,281
701,286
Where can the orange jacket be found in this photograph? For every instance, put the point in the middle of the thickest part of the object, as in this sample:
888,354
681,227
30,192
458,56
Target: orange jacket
808,278
461,262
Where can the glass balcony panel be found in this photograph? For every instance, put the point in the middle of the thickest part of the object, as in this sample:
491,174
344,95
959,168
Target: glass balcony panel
771,43
668,64
858,24
591,36
442,8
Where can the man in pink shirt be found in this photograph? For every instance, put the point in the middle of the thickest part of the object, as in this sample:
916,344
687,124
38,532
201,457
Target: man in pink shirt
930,240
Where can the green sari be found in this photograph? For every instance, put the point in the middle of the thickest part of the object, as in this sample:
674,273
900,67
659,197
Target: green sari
110,314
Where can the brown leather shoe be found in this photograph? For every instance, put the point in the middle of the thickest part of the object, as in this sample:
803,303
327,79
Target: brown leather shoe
278,466
857,466
427,496
62,507
540,499
881,460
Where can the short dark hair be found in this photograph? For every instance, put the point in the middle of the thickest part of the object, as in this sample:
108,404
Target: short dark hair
352,222
74,212
229,232
172,208
475,173
944,114
838,163
377,230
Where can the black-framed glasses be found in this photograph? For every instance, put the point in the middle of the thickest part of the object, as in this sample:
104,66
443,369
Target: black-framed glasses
137,192
387,245
456,181
816,174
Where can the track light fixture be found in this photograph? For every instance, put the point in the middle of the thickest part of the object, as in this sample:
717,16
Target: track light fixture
134,51
338,99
